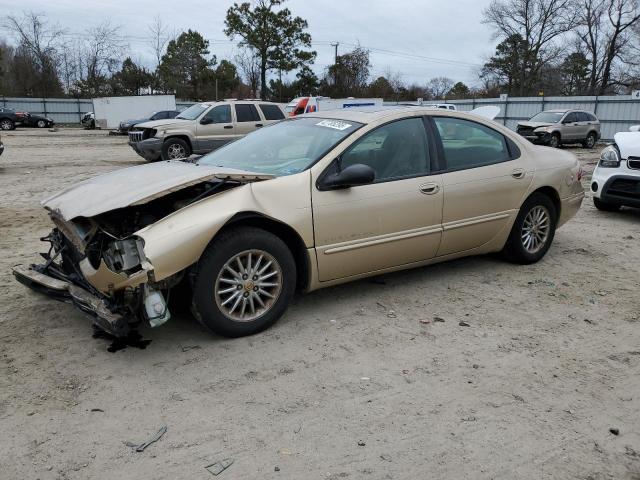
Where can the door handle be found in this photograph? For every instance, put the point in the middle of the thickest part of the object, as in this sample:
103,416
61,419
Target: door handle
429,188
228,126
518,173
258,125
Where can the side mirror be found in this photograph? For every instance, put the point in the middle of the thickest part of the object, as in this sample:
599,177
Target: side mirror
352,176
206,121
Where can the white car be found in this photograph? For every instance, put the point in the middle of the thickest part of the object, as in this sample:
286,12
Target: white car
616,178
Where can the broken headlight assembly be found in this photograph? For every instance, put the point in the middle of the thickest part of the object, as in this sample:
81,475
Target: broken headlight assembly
609,158
124,255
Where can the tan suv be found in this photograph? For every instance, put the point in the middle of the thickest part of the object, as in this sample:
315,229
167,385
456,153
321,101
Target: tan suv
201,128
555,127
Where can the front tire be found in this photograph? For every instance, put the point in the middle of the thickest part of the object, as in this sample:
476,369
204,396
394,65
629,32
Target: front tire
605,206
41,124
175,149
533,231
244,282
554,141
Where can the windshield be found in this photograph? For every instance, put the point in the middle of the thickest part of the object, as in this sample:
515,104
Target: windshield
547,117
193,111
284,148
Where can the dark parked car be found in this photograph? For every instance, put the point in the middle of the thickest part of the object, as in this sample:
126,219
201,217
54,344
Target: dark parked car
30,120
1,147
8,119
127,125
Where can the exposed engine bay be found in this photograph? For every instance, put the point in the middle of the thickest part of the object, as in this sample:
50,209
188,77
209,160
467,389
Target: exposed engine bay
108,240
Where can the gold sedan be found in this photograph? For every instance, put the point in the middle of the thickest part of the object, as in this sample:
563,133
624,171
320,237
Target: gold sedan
309,202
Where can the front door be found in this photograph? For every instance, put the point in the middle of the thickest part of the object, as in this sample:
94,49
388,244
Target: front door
484,183
393,221
215,128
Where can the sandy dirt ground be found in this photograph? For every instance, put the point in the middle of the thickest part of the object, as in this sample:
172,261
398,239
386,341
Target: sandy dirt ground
372,380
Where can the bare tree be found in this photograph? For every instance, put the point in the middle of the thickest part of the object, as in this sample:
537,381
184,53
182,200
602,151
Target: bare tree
159,37
99,57
438,87
40,41
248,63
539,23
605,32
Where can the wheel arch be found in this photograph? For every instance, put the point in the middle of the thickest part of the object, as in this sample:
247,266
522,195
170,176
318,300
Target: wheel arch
283,231
553,195
181,136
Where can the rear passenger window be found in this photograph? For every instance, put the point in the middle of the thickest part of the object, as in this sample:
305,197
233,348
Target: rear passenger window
469,144
271,112
247,112
582,117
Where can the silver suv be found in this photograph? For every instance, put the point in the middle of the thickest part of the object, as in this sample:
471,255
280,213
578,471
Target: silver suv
555,127
201,128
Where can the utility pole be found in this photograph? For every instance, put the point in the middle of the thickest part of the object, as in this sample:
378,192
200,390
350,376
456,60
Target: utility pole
335,63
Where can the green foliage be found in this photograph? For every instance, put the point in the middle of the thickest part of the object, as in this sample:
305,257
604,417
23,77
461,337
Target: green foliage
227,77
278,38
509,64
349,75
381,88
186,68
575,74
459,90
131,79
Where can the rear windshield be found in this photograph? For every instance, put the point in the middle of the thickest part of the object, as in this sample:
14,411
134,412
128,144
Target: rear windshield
283,148
547,117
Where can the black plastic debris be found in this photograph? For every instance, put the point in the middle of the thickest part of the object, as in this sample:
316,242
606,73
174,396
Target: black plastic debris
141,447
615,431
218,467
133,339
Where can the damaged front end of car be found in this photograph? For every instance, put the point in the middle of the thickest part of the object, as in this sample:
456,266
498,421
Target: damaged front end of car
98,263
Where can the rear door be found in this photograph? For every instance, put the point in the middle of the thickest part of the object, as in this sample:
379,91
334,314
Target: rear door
584,122
215,128
571,127
485,179
247,118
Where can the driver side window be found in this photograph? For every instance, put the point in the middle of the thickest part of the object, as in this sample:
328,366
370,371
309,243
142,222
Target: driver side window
395,150
219,114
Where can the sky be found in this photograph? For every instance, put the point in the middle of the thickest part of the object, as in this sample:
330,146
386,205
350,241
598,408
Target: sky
418,39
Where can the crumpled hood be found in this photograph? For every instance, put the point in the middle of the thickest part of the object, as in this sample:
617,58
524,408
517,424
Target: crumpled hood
628,144
137,185
534,124
163,123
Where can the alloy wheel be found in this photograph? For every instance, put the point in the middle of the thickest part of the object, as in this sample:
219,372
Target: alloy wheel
535,229
591,141
5,125
176,151
41,124
248,285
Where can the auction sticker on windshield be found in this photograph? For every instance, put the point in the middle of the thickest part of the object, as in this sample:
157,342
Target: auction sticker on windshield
336,124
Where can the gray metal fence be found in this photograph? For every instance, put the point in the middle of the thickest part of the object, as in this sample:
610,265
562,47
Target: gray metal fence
61,110
616,113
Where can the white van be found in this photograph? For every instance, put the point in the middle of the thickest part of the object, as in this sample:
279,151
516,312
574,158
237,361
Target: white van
301,105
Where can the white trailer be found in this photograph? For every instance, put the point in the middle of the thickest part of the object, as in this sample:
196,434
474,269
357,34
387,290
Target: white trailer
301,105
110,111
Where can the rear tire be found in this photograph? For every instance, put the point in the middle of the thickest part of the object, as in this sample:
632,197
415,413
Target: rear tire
533,231
605,206
590,141
554,141
244,282
175,149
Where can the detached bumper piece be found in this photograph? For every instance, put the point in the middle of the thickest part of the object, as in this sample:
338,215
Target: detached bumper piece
64,291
